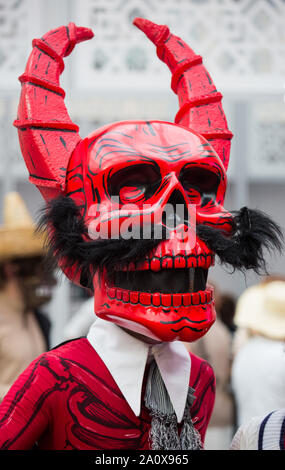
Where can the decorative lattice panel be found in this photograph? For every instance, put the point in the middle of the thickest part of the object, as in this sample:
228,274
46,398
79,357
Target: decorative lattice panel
19,20
118,76
267,140
242,41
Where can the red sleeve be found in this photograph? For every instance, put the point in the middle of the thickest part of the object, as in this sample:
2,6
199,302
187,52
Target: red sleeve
202,379
23,411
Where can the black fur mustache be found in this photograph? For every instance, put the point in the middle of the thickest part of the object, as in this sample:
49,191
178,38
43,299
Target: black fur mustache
68,240
253,233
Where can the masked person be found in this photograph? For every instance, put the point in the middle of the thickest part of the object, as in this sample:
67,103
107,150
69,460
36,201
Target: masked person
24,330
131,384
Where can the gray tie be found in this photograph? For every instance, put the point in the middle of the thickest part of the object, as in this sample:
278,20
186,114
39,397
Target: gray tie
164,429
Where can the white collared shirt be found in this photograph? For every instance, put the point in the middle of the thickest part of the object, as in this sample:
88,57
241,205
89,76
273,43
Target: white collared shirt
126,358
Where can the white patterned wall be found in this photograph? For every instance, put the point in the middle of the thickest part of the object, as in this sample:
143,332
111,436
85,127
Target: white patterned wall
20,21
117,75
267,141
242,41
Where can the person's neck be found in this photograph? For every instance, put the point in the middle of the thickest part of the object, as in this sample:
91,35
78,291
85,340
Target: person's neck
11,297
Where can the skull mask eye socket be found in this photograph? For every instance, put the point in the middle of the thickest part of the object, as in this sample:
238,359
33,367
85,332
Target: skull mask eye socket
200,184
135,184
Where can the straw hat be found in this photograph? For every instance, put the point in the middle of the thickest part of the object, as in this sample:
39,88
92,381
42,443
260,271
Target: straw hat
17,237
261,308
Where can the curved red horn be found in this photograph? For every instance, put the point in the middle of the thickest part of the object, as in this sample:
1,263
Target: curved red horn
199,101
46,133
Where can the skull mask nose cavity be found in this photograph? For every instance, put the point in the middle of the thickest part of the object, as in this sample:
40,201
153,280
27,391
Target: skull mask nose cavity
176,211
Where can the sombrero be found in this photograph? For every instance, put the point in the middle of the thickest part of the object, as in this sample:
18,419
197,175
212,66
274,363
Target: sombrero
17,234
261,308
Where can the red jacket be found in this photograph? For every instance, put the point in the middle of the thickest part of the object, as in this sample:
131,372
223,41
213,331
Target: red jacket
67,399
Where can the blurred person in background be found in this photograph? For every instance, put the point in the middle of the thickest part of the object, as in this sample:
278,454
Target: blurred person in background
227,306
265,432
215,348
24,287
258,370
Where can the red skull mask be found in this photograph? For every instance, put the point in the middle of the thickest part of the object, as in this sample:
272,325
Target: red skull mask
127,173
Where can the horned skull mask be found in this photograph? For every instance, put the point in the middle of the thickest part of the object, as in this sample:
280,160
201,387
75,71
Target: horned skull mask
163,294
